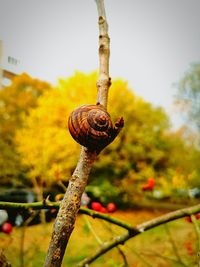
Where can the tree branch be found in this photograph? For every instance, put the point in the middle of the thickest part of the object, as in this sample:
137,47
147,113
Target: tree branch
197,230
104,80
69,207
138,229
171,216
174,247
132,230
29,206
65,220
56,205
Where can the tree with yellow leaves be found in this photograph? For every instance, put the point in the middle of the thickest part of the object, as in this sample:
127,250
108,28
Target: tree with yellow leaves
50,153
16,101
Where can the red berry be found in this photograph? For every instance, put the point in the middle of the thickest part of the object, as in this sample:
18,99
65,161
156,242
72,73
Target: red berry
151,182
96,206
197,216
111,207
188,219
6,228
103,210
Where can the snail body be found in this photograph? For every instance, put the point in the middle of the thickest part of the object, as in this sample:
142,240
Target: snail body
91,126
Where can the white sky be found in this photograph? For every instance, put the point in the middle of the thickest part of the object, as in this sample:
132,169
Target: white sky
152,41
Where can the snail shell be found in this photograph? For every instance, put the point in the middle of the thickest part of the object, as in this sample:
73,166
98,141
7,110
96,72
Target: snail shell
91,126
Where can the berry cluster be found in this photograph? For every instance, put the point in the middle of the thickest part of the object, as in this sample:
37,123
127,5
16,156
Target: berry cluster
97,206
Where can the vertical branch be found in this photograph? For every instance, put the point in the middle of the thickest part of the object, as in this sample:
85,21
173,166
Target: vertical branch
69,207
104,80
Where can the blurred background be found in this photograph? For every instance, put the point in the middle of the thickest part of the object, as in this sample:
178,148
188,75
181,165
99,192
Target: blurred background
49,62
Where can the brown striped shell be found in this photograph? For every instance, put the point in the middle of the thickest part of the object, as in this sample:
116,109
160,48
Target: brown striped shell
91,126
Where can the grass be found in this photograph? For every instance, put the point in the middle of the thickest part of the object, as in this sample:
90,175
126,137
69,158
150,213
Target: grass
173,246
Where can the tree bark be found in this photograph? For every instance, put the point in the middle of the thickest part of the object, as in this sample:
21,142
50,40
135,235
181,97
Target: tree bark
64,223
65,220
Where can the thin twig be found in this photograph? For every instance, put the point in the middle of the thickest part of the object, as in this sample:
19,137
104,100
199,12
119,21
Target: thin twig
197,230
97,238
171,216
158,255
132,231
175,250
121,239
106,246
108,218
30,206
146,263
62,185
120,250
56,205
23,229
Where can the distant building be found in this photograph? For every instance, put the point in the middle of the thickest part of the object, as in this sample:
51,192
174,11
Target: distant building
6,76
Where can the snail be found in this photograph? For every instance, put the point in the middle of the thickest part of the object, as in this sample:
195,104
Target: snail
91,126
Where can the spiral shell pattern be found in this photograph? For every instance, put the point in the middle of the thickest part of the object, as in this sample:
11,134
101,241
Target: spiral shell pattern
90,126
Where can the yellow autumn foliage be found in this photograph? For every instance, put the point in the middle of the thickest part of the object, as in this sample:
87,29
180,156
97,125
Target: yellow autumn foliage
49,151
16,100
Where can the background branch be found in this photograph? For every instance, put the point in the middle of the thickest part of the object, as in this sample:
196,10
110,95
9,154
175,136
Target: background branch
174,247
138,229
56,205
197,230
171,216
132,230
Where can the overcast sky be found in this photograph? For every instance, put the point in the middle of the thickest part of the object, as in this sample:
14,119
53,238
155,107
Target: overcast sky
152,41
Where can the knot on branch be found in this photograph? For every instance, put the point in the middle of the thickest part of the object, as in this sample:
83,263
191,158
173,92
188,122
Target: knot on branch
101,20
104,83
